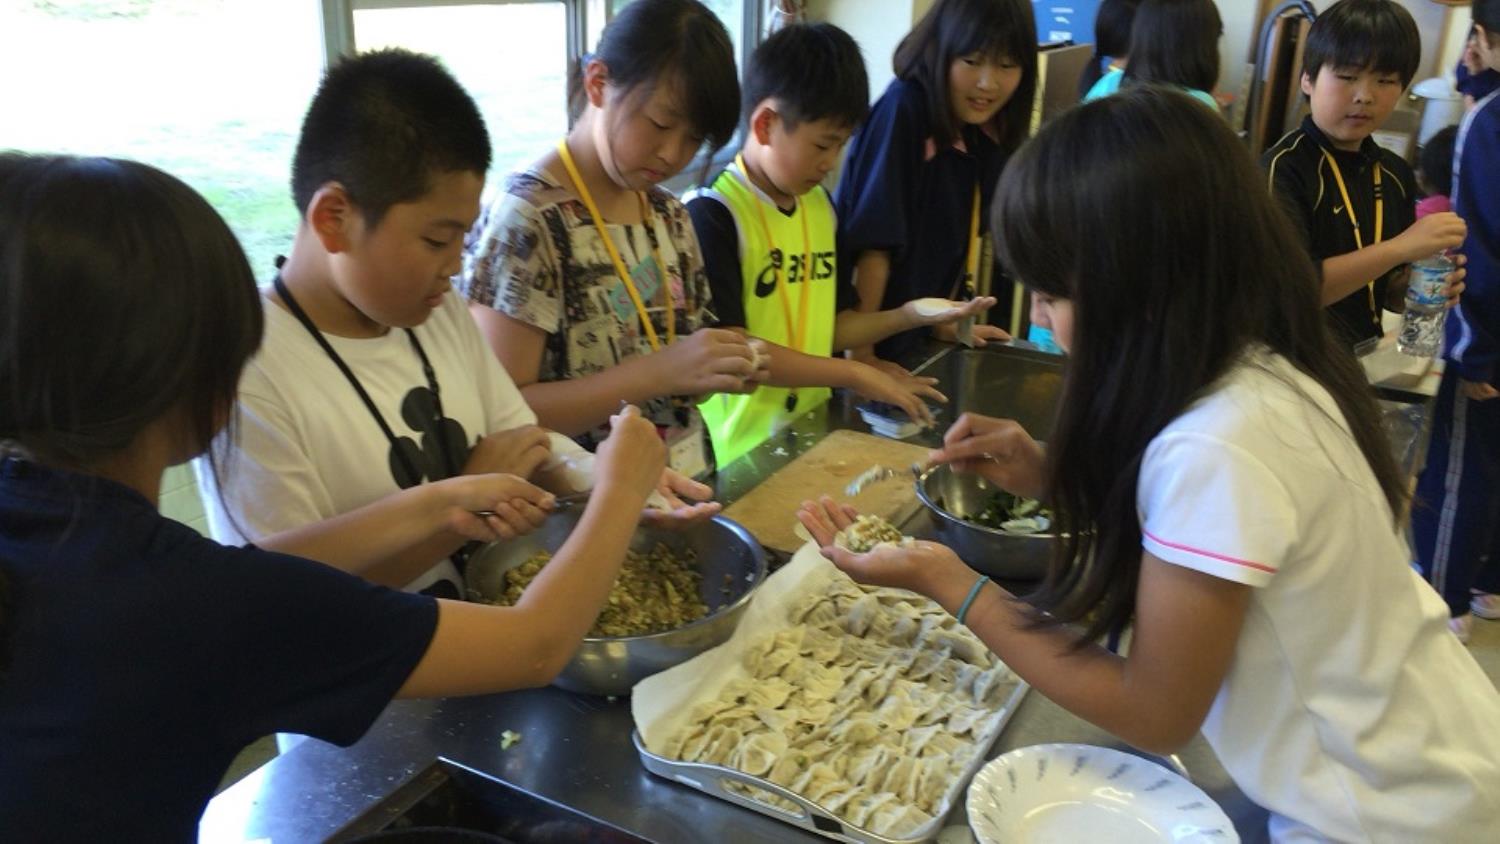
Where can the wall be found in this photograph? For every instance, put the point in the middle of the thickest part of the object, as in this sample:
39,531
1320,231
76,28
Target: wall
1242,26
878,26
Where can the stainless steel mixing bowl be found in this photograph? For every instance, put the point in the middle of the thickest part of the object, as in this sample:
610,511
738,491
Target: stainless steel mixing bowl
952,497
730,560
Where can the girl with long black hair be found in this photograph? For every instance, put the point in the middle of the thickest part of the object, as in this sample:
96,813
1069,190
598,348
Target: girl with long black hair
1222,483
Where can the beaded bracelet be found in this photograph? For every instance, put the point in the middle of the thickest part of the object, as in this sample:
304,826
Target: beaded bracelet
963,610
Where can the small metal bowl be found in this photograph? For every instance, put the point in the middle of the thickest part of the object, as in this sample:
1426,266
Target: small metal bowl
1004,556
730,560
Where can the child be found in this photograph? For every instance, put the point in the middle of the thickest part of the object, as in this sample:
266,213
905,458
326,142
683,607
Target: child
1471,78
1111,41
1172,42
137,657
1354,201
766,227
585,277
372,378
1240,506
921,170
1435,177
1454,524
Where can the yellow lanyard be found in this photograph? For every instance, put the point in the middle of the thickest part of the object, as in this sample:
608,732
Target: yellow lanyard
797,336
1359,239
968,285
614,254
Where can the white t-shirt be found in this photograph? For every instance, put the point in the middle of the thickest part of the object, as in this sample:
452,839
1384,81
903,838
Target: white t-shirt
308,449
1349,711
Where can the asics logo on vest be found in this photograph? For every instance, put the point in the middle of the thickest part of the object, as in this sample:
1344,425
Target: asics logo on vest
765,283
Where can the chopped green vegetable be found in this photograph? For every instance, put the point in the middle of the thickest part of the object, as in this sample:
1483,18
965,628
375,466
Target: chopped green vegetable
508,738
1013,514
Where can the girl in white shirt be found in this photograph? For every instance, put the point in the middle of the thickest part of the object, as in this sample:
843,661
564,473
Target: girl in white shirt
1219,469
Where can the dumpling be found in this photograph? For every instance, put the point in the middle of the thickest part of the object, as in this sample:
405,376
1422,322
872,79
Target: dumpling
722,742
815,610
926,663
880,688
961,645
769,692
837,800
965,718
865,760
989,683
856,684
861,730
932,782
817,780
820,646
858,811
901,779
904,629
895,821
677,744
817,682
788,768
776,720
758,753
861,614
897,711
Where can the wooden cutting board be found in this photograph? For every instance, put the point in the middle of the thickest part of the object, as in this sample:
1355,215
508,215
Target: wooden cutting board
770,510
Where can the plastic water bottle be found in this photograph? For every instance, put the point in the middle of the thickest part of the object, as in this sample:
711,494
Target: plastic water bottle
1422,322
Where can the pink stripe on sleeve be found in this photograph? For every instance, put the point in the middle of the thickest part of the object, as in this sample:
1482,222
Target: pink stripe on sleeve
1210,554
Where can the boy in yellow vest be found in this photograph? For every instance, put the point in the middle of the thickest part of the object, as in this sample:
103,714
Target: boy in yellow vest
766,229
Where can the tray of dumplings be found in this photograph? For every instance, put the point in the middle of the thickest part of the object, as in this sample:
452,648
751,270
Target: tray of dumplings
856,713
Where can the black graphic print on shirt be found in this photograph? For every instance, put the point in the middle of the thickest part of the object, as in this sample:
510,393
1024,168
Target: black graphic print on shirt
419,409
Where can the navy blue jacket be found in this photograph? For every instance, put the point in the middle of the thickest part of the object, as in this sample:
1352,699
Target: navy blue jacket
1473,329
901,194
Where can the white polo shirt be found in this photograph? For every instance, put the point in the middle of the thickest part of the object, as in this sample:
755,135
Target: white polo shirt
1349,711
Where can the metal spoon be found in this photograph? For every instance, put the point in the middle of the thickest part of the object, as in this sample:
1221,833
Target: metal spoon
877,473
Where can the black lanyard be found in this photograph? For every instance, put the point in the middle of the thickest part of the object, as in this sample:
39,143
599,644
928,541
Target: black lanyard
432,384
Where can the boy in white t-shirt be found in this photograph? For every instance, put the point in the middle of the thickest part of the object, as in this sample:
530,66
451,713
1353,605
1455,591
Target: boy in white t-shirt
372,378
1221,482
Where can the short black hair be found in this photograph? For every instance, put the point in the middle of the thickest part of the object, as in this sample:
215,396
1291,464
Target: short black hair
1436,161
813,72
952,29
1175,42
678,43
1486,13
1376,34
383,124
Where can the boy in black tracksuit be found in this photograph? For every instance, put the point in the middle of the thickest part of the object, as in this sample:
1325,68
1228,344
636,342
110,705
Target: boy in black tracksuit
1356,201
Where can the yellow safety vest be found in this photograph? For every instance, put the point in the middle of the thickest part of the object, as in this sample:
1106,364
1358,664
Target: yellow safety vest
778,255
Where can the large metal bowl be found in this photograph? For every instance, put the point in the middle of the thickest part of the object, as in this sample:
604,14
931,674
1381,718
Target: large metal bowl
1004,556
730,560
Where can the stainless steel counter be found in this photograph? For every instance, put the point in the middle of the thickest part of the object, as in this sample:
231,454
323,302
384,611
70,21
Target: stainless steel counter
574,776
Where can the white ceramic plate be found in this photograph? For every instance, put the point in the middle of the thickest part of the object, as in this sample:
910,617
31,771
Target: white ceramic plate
1056,793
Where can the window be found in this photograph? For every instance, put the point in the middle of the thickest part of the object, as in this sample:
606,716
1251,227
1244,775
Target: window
511,57
731,12
213,93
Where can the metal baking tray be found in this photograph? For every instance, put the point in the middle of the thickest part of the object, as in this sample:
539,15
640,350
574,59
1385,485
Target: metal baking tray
712,780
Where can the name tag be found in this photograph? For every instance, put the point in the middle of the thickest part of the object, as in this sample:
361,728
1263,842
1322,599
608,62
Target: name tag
647,278
687,452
